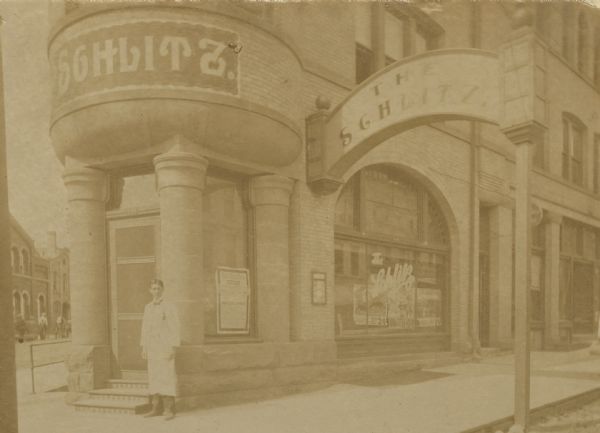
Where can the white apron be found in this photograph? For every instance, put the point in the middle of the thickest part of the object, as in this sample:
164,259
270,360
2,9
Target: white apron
160,335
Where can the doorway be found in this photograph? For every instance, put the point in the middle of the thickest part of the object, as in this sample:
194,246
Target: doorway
484,300
583,298
134,262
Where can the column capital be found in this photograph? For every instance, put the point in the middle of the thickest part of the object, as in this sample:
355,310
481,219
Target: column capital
84,183
270,189
177,168
552,217
528,133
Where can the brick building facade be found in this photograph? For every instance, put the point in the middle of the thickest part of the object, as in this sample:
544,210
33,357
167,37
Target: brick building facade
40,280
192,140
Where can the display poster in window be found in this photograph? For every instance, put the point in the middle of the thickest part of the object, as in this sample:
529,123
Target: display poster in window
429,308
359,305
536,272
233,300
394,287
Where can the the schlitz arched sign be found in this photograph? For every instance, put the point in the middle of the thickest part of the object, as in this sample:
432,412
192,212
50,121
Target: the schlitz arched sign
434,86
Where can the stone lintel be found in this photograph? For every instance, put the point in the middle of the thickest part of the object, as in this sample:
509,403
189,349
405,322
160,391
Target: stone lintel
527,133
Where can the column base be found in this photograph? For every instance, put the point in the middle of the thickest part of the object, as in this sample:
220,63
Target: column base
88,368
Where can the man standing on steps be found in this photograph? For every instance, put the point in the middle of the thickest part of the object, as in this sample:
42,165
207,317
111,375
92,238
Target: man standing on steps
160,337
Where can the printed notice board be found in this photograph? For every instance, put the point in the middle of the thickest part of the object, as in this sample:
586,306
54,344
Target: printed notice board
233,300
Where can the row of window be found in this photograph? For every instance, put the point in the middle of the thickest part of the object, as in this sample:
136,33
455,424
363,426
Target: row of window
22,304
579,35
400,31
574,154
20,261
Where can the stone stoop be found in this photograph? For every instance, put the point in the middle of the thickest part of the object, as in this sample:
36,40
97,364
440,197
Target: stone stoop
121,396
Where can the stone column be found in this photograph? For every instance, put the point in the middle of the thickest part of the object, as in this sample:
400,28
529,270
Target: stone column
180,179
501,269
89,361
270,197
551,279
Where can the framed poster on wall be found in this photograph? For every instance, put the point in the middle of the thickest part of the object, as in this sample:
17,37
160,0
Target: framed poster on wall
319,288
233,300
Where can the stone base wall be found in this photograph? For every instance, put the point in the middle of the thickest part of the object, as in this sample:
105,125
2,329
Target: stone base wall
88,368
215,374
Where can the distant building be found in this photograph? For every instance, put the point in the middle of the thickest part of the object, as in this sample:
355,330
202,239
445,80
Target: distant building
40,279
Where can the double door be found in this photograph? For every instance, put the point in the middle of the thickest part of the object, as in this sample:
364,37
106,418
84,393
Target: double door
134,245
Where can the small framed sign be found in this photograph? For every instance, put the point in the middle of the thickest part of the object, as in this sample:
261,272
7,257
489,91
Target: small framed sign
233,300
319,288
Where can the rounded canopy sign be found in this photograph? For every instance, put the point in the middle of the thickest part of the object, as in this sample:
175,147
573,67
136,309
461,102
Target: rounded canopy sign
434,86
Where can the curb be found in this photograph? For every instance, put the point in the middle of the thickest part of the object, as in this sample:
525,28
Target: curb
535,414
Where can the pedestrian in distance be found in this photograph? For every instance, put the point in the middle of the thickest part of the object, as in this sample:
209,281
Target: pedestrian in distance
21,328
68,328
42,326
59,327
160,337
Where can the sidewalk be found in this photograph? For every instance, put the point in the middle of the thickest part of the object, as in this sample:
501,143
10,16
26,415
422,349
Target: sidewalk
451,399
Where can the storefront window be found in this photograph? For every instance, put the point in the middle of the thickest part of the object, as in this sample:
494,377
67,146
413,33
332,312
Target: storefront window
225,252
391,267
579,259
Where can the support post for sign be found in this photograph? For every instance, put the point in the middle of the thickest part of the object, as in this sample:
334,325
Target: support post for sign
522,245
523,137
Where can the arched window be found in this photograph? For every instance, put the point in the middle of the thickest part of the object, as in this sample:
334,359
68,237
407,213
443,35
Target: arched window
582,42
15,257
391,256
26,261
16,304
56,308
26,305
41,305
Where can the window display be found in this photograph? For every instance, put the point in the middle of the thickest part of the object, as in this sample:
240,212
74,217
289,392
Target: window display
388,276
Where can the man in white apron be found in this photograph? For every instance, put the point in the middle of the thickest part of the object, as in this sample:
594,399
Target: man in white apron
160,336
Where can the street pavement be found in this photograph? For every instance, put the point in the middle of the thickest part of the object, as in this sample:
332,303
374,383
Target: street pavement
449,399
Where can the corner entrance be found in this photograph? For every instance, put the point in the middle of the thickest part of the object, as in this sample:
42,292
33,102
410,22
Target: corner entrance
133,259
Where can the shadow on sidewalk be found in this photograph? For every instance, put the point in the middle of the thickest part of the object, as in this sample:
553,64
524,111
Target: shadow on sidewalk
407,378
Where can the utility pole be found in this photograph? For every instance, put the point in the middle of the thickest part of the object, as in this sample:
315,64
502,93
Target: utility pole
8,379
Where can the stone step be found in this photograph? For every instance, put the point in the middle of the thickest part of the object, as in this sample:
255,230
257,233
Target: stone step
127,383
105,405
130,394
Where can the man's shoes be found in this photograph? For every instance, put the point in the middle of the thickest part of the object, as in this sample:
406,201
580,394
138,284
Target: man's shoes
169,408
156,409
